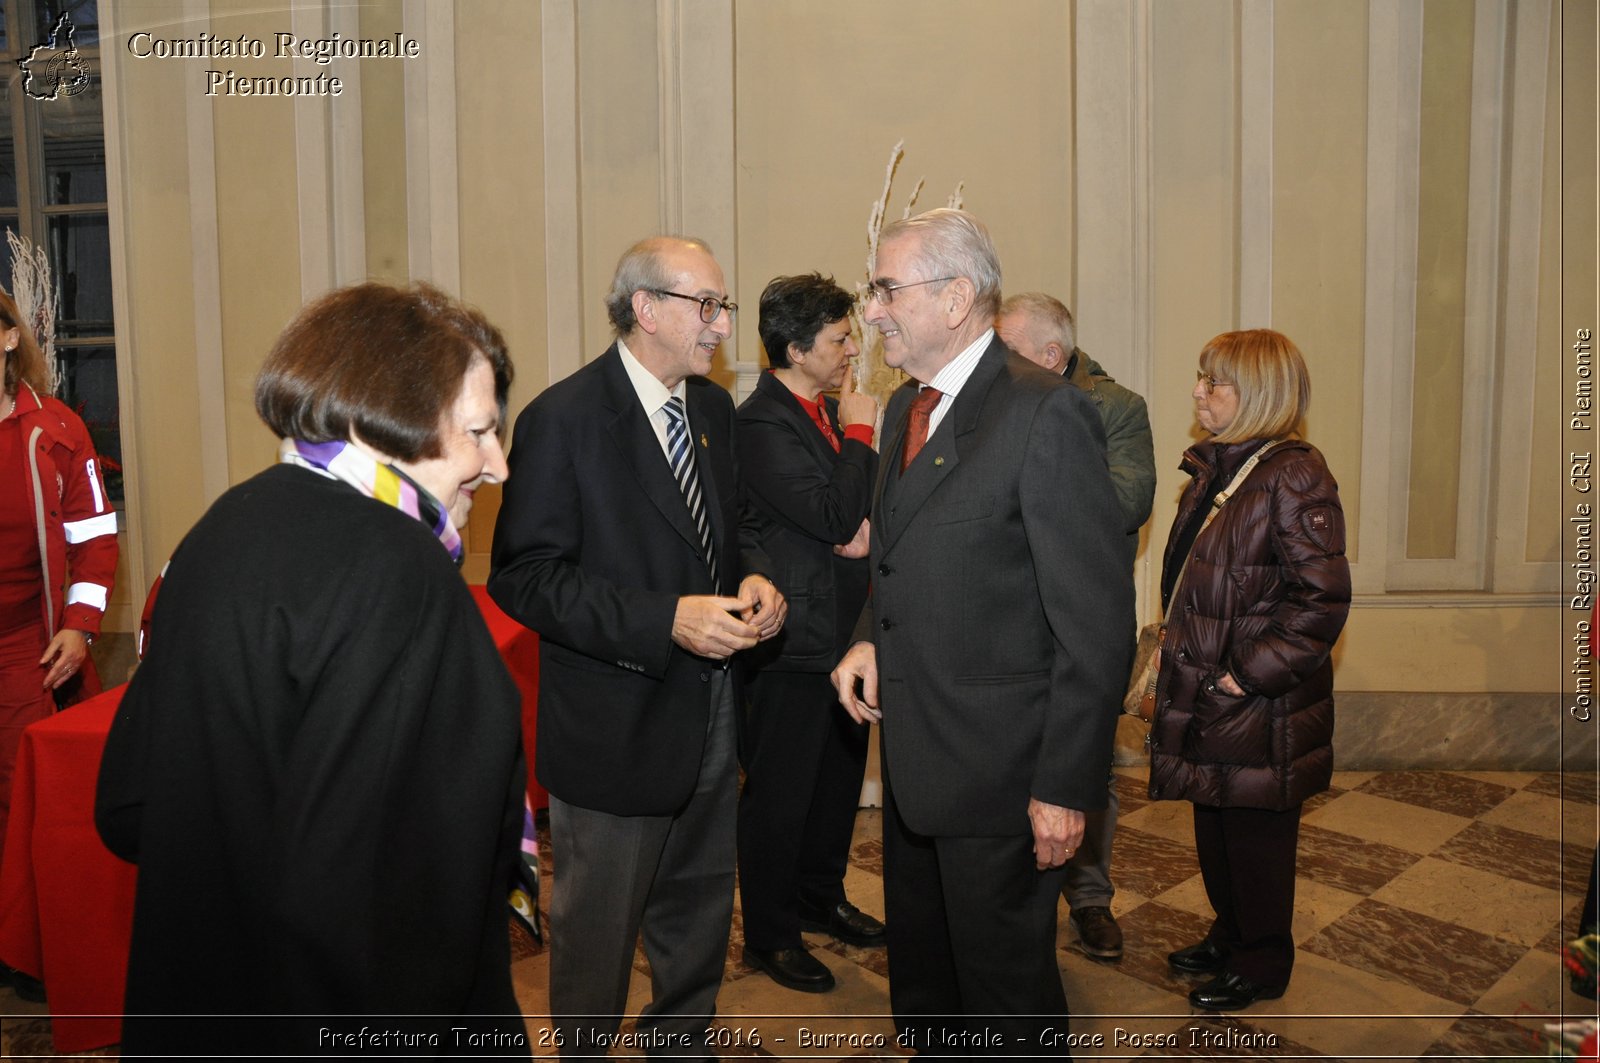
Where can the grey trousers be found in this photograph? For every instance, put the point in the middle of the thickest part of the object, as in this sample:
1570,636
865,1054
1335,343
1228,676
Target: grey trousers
1089,870
669,877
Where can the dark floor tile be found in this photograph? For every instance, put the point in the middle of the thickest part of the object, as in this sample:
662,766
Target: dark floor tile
1347,862
522,943
867,854
1132,793
1519,855
1149,864
1316,801
1442,791
1579,786
1449,961
1153,930
1228,1036
1479,1036
874,960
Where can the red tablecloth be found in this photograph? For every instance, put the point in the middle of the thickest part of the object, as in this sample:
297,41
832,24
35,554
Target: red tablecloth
519,648
66,903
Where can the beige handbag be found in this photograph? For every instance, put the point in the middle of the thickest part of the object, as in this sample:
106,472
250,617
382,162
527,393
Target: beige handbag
1140,699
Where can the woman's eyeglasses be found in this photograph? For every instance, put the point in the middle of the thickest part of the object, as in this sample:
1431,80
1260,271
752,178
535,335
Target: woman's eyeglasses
1211,382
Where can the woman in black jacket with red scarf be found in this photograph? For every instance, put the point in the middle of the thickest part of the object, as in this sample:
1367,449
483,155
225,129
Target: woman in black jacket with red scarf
807,465
1256,588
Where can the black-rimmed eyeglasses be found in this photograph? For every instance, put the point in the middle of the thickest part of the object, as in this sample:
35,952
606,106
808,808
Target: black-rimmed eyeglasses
883,291
710,306
1211,382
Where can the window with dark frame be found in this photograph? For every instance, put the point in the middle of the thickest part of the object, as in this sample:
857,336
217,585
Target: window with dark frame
53,192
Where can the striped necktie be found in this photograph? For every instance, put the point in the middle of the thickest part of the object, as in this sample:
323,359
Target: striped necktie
681,455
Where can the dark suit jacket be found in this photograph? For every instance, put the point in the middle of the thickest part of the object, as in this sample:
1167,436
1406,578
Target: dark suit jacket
810,498
1001,604
593,547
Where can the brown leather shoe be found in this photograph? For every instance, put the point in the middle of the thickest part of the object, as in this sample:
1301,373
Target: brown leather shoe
1098,933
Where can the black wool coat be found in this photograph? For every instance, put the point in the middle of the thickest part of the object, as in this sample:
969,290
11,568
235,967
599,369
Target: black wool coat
318,769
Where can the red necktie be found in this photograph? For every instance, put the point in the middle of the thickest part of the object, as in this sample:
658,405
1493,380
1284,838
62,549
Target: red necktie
917,428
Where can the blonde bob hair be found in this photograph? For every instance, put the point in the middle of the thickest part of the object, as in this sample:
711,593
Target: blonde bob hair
1270,375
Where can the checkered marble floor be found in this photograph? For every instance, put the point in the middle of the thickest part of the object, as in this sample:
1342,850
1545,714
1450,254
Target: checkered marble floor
1429,915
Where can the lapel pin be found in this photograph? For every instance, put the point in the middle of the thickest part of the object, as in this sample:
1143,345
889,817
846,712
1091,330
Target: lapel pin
704,442
939,460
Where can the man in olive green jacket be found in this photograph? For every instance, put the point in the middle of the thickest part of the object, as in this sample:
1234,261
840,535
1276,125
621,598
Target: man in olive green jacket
1038,327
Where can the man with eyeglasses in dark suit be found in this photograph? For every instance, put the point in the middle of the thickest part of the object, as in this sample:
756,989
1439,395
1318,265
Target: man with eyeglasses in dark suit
621,541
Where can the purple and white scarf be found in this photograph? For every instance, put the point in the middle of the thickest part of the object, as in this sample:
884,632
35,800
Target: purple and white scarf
344,461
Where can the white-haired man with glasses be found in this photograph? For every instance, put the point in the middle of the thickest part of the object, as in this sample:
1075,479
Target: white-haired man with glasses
993,641
622,542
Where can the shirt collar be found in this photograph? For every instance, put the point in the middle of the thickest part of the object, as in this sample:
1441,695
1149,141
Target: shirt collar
653,394
953,377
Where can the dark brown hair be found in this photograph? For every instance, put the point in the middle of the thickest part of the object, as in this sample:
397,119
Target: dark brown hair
379,362
25,364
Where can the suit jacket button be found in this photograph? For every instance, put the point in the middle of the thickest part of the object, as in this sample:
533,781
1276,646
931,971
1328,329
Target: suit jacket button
705,677
886,623
884,570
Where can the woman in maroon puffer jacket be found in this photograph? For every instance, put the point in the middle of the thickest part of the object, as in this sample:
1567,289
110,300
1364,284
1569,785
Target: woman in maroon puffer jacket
1255,599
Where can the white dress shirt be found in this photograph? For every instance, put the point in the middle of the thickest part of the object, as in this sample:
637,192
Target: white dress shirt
953,377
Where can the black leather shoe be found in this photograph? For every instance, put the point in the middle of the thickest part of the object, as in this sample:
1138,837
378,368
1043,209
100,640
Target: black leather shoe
25,986
1230,992
1204,958
847,923
791,968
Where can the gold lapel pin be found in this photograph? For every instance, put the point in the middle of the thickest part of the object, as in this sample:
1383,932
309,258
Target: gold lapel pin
939,460
704,442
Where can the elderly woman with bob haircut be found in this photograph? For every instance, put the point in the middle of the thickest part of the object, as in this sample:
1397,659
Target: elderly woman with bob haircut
1256,588
318,766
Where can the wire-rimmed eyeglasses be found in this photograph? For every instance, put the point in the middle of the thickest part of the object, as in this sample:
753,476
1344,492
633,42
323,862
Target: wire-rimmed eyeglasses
1211,382
884,291
710,306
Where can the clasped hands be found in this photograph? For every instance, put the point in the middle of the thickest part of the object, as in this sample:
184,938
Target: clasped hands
718,626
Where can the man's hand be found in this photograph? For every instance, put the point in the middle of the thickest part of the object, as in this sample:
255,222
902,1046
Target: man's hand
709,625
856,407
860,545
765,606
1230,685
1057,833
861,662
65,656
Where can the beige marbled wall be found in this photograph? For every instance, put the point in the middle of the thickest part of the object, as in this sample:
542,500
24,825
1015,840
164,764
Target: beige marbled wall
572,128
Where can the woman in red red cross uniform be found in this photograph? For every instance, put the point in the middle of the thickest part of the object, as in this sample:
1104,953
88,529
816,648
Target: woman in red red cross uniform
58,547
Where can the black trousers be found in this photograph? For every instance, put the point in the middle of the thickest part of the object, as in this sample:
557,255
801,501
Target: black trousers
972,943
1247,858
804,759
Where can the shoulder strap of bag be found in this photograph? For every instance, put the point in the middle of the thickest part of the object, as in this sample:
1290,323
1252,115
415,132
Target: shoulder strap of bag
1222,500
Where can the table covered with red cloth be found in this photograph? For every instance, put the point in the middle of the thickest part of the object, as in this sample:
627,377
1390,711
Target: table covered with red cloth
519,649
66,903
